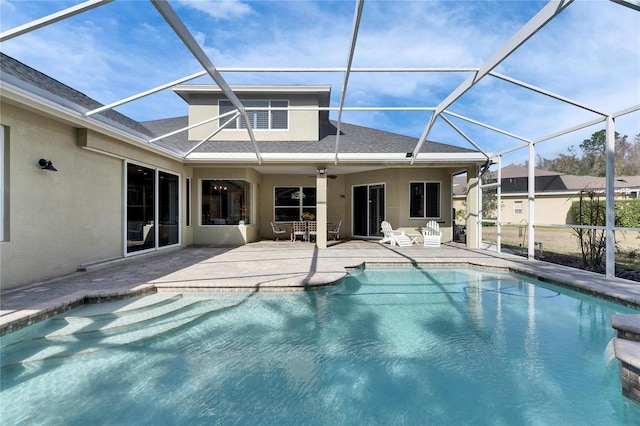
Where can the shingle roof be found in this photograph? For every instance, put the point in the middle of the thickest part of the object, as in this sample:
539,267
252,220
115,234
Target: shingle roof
515,171
353,139
548,181
36,79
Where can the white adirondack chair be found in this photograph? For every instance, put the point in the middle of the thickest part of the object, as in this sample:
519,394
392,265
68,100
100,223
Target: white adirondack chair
393,238
431,234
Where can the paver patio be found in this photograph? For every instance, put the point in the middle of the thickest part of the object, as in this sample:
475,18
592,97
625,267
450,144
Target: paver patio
270,266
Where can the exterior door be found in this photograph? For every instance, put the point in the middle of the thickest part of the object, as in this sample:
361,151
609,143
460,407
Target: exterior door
368,210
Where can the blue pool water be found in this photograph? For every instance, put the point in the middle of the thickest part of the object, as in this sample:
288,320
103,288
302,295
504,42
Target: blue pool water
388,346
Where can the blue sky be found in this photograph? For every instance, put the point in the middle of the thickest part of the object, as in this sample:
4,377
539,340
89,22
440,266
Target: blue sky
590,53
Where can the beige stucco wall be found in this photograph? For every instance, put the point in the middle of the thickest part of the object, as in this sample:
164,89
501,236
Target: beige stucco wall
60,220
303,125
550,209
336,199
224,234
396,181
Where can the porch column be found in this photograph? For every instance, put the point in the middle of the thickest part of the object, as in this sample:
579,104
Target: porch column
473,197
321,208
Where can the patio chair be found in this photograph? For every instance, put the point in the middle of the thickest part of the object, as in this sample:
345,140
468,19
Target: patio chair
431,234
312,229
277,229
298,228
391,237
335,230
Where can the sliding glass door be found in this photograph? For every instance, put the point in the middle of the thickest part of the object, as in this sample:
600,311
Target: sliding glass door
368,210
169,213
152,212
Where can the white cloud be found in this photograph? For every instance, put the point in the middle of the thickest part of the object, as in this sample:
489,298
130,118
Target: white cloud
590,53
221,9
7,5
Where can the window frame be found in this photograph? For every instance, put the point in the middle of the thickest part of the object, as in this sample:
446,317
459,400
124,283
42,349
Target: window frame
301,207
425,196
247,219
515,207
187,196
3,169
157,245
237,123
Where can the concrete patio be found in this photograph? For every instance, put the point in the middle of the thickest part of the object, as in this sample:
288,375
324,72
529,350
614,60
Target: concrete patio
270,266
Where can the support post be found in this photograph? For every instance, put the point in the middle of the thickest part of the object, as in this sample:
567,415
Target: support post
609,197
531,188
321,209
499,207
473,192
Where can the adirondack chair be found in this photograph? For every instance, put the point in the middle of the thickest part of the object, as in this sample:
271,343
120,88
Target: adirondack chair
393,238
431,234
335,231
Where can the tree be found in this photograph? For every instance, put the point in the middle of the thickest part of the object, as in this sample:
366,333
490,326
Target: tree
592,160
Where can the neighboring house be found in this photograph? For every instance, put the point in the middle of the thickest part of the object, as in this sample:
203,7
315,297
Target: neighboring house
554,193
123,189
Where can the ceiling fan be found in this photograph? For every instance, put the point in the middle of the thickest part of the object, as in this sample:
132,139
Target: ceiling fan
329,176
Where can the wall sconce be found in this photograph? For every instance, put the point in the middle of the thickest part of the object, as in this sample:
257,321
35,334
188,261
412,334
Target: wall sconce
321,172
47,165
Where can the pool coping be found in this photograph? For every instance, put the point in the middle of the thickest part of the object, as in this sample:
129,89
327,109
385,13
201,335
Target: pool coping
22,318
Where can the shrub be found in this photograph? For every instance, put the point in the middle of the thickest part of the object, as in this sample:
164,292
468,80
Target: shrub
627,213
591,210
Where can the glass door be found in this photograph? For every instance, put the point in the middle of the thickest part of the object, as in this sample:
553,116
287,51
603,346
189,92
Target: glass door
153,209
368,210
168,213
376,209
141,233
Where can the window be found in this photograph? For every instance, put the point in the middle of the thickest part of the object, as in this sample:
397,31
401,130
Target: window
153,213
291,201
3,170
517,207
424,200
263,114
188,200
225,202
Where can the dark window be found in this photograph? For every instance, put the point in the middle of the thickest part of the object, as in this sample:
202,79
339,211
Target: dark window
188,201
226,202
291,201
424,200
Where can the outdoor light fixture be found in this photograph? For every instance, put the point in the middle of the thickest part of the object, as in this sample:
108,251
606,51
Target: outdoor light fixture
47,165
321,172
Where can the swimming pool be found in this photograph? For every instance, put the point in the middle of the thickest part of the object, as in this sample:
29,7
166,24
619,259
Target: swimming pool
387,346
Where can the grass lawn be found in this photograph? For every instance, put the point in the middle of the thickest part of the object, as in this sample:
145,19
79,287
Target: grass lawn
563,241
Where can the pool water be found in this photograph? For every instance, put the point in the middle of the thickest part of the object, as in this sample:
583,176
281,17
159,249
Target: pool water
401,346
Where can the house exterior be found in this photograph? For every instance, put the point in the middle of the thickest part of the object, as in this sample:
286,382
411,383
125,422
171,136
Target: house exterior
554,193
124,188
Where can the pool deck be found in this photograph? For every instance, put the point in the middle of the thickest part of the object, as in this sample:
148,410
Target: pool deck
270,266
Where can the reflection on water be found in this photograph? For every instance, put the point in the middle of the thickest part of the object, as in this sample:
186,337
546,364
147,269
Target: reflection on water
388,346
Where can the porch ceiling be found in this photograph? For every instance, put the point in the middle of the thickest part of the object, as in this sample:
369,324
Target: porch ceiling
442,109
